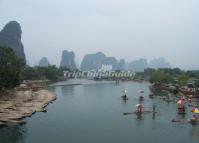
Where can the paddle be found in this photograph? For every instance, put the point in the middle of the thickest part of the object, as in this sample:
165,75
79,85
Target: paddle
185,121
182,113
128,113
179,121
144,112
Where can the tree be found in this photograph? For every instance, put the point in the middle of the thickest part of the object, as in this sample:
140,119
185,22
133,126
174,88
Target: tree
193,74
39,73
173,72
29,73
197,84
10,68
182,79
51,72
160,76
147,73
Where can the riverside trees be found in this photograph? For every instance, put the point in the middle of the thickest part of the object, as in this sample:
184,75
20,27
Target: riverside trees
10,68
50,72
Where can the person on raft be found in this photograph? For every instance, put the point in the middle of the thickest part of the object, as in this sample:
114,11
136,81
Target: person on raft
168,97
181,105
194,118
141,98
190,102
139,108
125,95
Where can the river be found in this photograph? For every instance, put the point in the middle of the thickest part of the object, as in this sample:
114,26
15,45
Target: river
93,113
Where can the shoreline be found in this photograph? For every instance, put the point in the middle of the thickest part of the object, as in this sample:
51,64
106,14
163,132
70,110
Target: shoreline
81,81
21,102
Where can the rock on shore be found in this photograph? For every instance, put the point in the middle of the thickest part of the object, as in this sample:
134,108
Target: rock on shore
17,104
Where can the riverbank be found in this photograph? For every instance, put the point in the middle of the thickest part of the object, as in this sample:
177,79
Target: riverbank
23,101
71,82
166,87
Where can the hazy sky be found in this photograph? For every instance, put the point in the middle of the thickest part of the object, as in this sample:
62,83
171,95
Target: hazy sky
129,29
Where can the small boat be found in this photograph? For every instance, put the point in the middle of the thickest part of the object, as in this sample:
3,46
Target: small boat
193,122
182,113
168,100
151,95
124,97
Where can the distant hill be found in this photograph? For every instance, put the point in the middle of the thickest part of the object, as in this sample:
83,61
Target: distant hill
141,64
44,62
159,63
10,36
68,60
95,61
137,65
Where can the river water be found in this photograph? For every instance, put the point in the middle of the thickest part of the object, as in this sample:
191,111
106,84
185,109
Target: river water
93,113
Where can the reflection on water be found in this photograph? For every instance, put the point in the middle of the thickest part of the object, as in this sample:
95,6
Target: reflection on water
124,101
195,131
139,117
12,134
67,91
153,117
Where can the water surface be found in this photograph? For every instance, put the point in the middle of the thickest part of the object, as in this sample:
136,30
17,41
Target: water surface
93,113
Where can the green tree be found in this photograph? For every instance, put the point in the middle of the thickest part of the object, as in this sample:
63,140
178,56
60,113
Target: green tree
51,72
197,84
173,72
64,69
182,79
39,73
10,68
193,74
147,73
160,76
30,73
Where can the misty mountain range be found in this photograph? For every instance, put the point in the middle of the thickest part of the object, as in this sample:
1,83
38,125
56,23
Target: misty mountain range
11,36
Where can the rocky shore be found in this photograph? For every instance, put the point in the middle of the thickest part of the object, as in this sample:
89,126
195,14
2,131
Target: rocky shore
21,102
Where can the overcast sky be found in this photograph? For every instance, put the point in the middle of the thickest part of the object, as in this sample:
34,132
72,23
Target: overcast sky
128,29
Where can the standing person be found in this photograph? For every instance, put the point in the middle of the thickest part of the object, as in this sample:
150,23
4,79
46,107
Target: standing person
124,91
168,98
181,106
141,98
139,108
125,95
190,101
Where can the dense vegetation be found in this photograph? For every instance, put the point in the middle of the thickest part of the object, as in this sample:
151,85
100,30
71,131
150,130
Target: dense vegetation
50,72
10,68
160,76
13,71
169,76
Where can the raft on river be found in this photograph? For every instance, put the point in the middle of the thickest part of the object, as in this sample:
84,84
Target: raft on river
139,113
